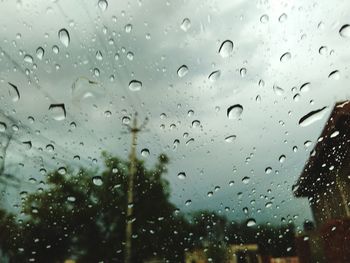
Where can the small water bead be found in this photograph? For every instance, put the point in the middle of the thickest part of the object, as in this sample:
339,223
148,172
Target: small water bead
64,37
186,24
226,48
145,152
97,180
181,175
182,71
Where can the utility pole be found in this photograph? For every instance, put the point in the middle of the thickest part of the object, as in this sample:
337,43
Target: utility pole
134,130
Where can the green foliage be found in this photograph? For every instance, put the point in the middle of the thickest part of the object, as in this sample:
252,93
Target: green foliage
75,218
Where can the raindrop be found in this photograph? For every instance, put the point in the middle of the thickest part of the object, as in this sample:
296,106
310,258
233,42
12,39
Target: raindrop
243,72
128,28
251,222
334,134
15,93
196,123
28,59
186,24
107,113
231,183
235,111
126,120
282,18
189,141
103,4
323,50
135,85
278,90
307,144
27,145
130,56
71,199
295,149
282,158
58,111
305,87
214,76
210,193
344,31
145,152
99,55
64,37
226,48
245,180
182,71
62,170
97,180
3,127
334,75
264,19
181,175
230,138
268,170
296,97
285,57
55,49
268,204
40,53
312,117
190,113
188,202
50,148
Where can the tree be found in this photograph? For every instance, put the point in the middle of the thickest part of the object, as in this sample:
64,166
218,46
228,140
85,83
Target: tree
81,215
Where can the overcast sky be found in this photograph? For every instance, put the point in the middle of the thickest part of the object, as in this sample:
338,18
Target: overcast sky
149,41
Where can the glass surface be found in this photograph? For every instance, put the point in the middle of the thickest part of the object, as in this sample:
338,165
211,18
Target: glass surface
174,131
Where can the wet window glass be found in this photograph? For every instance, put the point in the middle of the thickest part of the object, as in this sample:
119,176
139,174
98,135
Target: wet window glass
174,131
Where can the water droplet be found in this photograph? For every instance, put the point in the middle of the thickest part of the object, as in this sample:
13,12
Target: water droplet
62,170
128,28
214,76
334,75
268,204
130,56
27,145
3,127
186,24
135,85
334,134
278,90
210,194
182,71
14,93
230,138
226,48
58,111
28,59
295,149
282,18
196,123
145,152
285,57
126,120
312,117
296,97
323,50
103,4
243,72
307,144
235,111
188,202
99,55
55,49
282,158
50,148
40,53
251,222
245,179
64,37
305,87
181,175
71,199
344,31
268,170
231,183
264,19
97,180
